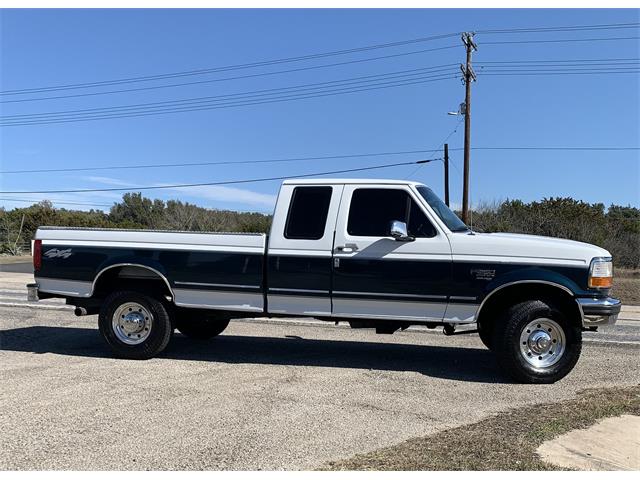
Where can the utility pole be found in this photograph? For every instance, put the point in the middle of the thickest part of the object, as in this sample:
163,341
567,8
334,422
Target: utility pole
446,174
469,76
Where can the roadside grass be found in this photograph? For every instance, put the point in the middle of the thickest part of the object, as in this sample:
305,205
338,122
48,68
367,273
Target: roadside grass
506,441
626,286
9,259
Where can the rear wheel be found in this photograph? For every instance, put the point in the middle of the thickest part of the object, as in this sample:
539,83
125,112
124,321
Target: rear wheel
134,325
536,342
200,325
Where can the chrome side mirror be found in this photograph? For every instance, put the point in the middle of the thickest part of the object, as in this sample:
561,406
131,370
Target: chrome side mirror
398,230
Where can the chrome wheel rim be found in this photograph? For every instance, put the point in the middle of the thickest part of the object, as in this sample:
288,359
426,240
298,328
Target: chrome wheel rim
132,323
542,343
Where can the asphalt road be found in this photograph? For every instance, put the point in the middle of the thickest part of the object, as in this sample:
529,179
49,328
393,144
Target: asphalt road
264,395
22,267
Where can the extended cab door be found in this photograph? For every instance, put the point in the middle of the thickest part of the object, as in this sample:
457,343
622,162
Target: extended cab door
377,276
298,272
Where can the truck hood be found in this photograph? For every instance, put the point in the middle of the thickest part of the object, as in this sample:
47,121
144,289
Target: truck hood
520,248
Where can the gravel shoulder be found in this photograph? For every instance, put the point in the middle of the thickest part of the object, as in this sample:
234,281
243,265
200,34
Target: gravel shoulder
283,395
258,397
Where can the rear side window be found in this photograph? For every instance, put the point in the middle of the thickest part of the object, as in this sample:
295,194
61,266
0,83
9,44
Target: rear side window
373,209
308,212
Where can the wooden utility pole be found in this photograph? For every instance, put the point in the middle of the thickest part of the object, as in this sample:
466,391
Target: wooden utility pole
469,76
446,174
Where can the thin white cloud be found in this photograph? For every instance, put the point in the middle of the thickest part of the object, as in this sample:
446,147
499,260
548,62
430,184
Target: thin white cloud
109,181
229,195
206,192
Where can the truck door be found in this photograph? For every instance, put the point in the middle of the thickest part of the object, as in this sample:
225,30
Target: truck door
300,247
377,276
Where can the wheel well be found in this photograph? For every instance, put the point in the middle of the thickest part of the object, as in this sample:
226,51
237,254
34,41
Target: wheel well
510,295
131,277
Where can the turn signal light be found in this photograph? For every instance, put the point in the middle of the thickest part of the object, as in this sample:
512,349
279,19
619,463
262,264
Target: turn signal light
601,282
601,273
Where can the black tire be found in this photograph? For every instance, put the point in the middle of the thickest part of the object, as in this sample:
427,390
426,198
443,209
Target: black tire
201,325
508,335
486,335
156,335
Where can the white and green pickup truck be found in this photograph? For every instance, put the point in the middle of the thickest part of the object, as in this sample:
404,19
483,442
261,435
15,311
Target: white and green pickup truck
378,254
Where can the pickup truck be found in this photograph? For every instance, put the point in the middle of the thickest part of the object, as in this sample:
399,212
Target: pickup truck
378,254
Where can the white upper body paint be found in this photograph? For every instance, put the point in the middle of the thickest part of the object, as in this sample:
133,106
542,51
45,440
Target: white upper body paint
464,247
520,248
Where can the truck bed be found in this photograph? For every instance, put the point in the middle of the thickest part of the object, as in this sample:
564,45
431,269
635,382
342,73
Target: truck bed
201,269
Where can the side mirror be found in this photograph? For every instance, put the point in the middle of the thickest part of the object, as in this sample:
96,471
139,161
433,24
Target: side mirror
398,230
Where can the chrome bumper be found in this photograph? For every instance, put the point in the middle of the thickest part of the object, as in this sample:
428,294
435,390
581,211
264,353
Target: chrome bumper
32,292
599,311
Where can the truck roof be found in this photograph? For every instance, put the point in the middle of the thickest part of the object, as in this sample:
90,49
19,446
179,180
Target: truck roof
342,181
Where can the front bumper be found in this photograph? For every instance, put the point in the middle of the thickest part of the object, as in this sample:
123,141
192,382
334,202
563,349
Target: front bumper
599,311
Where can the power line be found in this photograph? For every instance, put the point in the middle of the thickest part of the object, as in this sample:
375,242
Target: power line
243,96
177,106
308,57
199,164
154,87
213,104
227,182
204,71
566,28
556,148
226,68
303,159
515,73
561,66
455,129
231,104
561,40
546,69
575,60
254,93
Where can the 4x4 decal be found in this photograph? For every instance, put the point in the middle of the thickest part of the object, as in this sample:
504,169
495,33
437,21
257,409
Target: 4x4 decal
56,253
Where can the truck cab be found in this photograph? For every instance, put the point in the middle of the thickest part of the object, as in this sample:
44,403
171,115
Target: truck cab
359,249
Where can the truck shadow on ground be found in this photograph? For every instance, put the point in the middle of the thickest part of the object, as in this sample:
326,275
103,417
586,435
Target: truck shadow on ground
455,363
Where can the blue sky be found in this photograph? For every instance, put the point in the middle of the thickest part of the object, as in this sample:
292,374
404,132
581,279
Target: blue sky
51,47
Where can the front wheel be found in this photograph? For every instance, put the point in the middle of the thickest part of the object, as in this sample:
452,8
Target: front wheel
486,335
536,343
134,325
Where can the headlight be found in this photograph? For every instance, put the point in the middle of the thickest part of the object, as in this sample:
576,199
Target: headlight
601,273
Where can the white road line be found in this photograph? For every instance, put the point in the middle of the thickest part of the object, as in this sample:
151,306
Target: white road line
37,307
613,342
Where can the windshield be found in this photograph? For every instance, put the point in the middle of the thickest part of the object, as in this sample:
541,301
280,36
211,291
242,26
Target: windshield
449,218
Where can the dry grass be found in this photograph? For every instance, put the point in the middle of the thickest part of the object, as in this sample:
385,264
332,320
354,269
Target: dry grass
8,259
626,286
507,441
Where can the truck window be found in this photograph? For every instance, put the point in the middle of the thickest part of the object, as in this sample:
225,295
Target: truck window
373,209
308,213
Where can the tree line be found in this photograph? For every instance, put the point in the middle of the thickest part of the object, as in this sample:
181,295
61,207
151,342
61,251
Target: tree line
616,228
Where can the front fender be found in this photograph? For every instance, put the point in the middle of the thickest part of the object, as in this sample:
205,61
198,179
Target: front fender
535,274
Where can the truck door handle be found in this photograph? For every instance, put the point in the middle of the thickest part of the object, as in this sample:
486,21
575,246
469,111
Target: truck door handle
348,248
